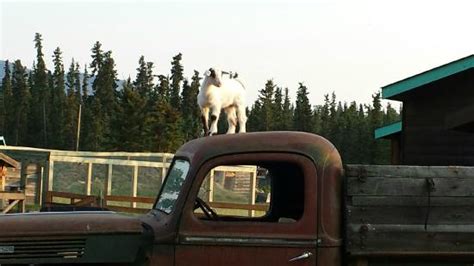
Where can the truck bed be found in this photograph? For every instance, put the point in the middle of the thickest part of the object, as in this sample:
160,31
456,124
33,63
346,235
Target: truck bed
409,212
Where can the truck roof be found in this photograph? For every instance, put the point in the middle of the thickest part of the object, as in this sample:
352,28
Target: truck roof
313,146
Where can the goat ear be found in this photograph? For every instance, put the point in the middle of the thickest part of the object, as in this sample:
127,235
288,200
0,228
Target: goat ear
213,73
207,73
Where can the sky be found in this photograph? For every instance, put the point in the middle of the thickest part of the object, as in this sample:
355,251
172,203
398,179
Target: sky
350,47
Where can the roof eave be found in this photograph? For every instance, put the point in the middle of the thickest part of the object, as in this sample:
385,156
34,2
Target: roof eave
393,91
388,130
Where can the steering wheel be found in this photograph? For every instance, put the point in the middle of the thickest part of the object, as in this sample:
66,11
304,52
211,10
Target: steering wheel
206,209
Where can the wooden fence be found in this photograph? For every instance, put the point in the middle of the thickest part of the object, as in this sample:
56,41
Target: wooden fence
137,204
40,168
90,161
43,169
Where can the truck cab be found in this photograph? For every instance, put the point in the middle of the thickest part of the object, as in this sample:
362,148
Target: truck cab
292,228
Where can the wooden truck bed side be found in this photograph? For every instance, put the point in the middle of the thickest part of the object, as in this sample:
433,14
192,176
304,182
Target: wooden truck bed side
409,212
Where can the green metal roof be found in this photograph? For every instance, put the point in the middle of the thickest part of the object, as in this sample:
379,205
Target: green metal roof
388,130
428,77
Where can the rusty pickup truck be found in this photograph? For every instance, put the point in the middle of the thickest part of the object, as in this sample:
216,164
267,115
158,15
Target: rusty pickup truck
312,210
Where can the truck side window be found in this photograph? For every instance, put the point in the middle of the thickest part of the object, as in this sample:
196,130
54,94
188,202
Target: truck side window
270,192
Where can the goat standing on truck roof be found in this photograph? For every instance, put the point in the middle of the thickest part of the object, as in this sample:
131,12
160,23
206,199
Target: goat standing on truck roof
218,93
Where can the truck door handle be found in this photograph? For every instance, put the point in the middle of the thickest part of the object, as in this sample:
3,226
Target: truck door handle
305,255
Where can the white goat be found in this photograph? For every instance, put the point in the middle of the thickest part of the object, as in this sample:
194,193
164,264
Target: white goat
218,92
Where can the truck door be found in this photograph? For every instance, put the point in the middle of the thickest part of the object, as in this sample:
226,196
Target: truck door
251,209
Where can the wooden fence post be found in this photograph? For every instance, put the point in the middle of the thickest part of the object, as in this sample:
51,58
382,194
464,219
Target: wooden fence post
48,175
44,181
108,190
253,184
211,186
163,169
134,184
89,179
39,186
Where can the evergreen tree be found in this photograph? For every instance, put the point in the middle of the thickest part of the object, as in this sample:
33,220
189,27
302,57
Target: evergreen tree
326,122
254,122
2,110
163,89
190,109
86,112
21,103
333,115
303,113
72,106
97,58
104,105
176,79
337,126
278,110
144,82
7,105
287,113
165,127
363,136
94,128
41,93
77,84
85,85
316,119
391,115
266,99
71,78
349,139
130,121
58,102
377,150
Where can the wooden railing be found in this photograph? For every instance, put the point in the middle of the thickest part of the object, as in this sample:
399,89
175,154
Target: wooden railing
71,199
130,201
125,203
238,206
12,199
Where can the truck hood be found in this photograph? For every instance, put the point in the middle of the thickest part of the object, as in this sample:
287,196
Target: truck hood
73,237
67,223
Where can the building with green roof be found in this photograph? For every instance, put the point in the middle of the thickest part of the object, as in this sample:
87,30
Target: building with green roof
437,117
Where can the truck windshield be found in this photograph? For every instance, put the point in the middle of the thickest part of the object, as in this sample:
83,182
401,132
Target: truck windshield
172,186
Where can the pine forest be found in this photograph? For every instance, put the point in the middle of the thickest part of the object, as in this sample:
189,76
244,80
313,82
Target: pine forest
158,112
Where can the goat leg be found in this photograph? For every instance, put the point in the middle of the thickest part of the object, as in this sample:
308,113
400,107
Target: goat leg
213,125
204,125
